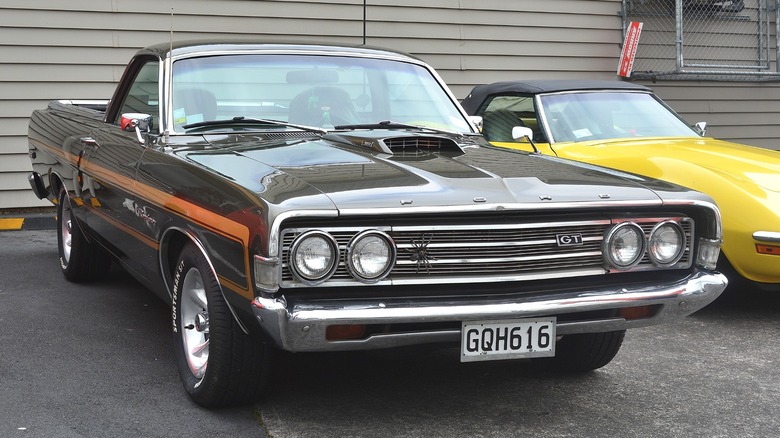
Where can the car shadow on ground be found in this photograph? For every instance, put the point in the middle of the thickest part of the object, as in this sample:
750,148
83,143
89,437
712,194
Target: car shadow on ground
742,296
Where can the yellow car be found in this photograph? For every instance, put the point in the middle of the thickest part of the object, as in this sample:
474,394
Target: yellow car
625,126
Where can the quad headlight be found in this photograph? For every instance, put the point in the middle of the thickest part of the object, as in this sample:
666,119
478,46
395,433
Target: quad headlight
666,243
314,257
370,256
624,245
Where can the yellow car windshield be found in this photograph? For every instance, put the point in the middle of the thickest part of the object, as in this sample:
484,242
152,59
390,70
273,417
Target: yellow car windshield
602,115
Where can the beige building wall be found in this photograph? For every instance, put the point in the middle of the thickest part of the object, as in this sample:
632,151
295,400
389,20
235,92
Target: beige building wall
743,112
77,49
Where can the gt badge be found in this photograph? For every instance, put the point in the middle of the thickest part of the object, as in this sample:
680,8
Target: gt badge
574,239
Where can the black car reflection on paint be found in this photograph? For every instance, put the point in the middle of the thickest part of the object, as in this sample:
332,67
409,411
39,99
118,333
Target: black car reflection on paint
322,198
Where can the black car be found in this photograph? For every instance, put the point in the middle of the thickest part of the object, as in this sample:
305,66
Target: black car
321,198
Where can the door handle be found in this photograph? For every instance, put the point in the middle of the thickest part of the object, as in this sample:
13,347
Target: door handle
89,141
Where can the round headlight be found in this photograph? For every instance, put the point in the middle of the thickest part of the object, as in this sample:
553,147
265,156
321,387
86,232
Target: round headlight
624,245
314,257
370,256
666,244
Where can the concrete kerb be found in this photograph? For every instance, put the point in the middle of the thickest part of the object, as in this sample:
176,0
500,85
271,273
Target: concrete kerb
28,219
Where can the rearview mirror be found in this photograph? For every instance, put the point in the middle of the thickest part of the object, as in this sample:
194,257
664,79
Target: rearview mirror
700,128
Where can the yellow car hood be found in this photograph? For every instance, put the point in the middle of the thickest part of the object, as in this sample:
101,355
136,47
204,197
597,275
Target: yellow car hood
666,158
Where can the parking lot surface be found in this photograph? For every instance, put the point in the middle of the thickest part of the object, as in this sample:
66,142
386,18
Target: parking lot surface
96,360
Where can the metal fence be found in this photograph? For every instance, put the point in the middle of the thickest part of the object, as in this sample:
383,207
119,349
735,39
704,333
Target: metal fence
726,40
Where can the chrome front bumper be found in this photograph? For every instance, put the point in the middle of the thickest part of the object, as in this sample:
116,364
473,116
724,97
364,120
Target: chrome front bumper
302,326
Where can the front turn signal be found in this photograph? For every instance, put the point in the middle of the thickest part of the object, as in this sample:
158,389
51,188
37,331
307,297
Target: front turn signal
345,332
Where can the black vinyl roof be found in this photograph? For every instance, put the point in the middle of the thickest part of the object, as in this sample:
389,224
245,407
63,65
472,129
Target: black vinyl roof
481,92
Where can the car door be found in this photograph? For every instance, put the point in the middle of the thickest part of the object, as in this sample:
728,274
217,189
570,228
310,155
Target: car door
111,166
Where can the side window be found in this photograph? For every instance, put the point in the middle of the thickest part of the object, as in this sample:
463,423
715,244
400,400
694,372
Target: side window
504,112
143,96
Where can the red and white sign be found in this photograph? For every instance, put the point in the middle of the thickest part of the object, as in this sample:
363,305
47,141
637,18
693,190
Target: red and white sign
628,53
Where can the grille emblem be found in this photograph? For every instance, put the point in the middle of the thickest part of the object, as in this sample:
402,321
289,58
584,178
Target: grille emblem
419,253
574,239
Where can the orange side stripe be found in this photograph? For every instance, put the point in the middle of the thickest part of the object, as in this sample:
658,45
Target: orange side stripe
129,230
189,211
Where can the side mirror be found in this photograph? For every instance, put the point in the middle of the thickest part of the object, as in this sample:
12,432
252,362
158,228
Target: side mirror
138,122
519,132
700,128
477,122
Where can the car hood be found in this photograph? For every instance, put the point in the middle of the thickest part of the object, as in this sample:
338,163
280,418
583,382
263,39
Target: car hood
352,174
673,159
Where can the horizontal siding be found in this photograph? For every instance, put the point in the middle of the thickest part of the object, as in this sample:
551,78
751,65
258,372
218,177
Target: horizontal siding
747,113
78,50
51,49
20,199
13,162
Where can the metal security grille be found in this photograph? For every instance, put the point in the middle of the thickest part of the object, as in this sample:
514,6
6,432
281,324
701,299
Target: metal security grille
728,40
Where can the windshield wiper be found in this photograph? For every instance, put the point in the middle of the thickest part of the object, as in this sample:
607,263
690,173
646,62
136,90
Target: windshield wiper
389,124
249,120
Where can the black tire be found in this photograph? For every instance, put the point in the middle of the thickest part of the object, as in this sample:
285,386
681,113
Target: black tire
583,352
218,363
80,259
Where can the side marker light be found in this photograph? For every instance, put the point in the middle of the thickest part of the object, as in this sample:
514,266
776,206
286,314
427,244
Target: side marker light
767,249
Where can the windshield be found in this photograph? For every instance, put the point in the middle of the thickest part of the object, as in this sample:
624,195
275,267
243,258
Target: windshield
606,115
308,90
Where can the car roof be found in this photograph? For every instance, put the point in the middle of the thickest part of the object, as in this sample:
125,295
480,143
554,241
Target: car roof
481,92
190,47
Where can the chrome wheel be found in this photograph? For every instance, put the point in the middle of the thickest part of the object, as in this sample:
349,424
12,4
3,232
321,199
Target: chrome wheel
66,225
81,259
236,368
194,322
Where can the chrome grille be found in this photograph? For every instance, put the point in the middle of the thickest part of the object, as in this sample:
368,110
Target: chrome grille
485,253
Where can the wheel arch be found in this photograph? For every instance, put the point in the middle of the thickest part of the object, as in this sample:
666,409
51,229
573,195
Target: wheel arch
56,183
173,240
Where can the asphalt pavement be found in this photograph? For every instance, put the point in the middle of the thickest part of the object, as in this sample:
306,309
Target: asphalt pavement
95,360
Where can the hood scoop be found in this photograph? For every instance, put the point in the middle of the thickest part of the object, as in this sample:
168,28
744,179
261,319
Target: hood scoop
403,145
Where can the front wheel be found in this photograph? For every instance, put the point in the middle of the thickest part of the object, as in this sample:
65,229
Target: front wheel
583,352
219,364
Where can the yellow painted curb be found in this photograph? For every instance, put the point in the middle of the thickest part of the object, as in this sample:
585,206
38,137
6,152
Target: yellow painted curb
11,223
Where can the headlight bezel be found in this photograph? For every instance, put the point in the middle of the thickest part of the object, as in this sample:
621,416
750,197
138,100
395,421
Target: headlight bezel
682,244
335,257
609,240
389,245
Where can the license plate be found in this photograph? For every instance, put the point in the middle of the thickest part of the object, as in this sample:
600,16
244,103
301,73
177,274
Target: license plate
496,340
